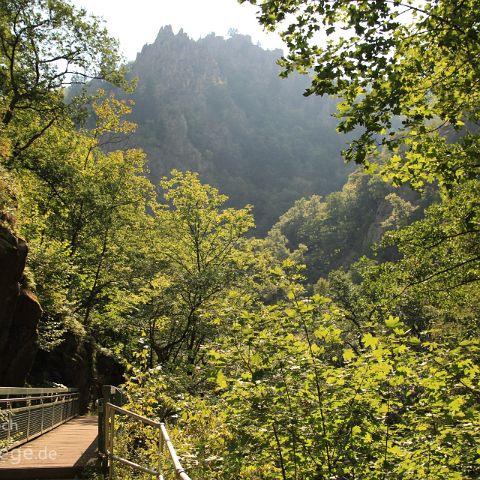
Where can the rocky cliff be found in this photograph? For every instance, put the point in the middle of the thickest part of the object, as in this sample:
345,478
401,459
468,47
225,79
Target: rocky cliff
217,106
19,311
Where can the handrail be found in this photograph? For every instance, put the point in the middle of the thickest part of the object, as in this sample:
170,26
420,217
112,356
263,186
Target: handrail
164,439
34,391
41,397
136,416
179,470
27,413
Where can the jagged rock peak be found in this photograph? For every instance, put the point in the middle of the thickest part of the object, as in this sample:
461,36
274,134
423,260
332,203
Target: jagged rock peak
166,32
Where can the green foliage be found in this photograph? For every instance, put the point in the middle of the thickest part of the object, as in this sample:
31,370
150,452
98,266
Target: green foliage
69,202
8,202
373,376
46,46
391,62
337,230
196,426
199,245
84,213
434,282
442,250
319,407
217,106
291,395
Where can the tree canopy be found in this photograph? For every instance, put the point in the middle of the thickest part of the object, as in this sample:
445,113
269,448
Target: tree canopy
407,73
370,371
45,46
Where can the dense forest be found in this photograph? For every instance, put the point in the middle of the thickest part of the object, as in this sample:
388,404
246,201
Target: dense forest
341,344
218,107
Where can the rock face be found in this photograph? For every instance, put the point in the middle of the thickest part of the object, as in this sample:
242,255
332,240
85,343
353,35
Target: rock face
77,363
218,107
19,312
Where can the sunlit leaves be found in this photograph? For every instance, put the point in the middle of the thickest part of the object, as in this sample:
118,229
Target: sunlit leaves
404,72
200,244
370,341
221,380
349,408
46,46
392,322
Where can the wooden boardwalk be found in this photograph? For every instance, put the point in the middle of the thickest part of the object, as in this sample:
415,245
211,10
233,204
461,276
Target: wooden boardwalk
61,453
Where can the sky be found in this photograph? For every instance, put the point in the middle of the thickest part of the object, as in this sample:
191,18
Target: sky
137,22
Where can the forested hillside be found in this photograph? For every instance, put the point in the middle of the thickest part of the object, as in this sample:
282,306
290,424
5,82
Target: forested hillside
334,231
218,107
345,344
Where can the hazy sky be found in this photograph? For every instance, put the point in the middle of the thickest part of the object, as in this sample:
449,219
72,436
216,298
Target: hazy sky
137,22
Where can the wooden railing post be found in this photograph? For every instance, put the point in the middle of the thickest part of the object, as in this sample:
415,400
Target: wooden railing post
42,413
160,455
9,425
114,395
102,451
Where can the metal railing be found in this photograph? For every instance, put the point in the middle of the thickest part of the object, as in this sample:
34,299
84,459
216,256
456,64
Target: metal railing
26,413
163,440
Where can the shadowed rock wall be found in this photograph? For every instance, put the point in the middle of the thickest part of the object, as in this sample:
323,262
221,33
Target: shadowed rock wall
78,362
19,312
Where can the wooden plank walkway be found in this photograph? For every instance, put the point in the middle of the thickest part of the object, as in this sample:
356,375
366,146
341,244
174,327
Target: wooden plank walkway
60,453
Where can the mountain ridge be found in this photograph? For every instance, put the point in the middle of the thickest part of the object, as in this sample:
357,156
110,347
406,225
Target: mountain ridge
218,107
